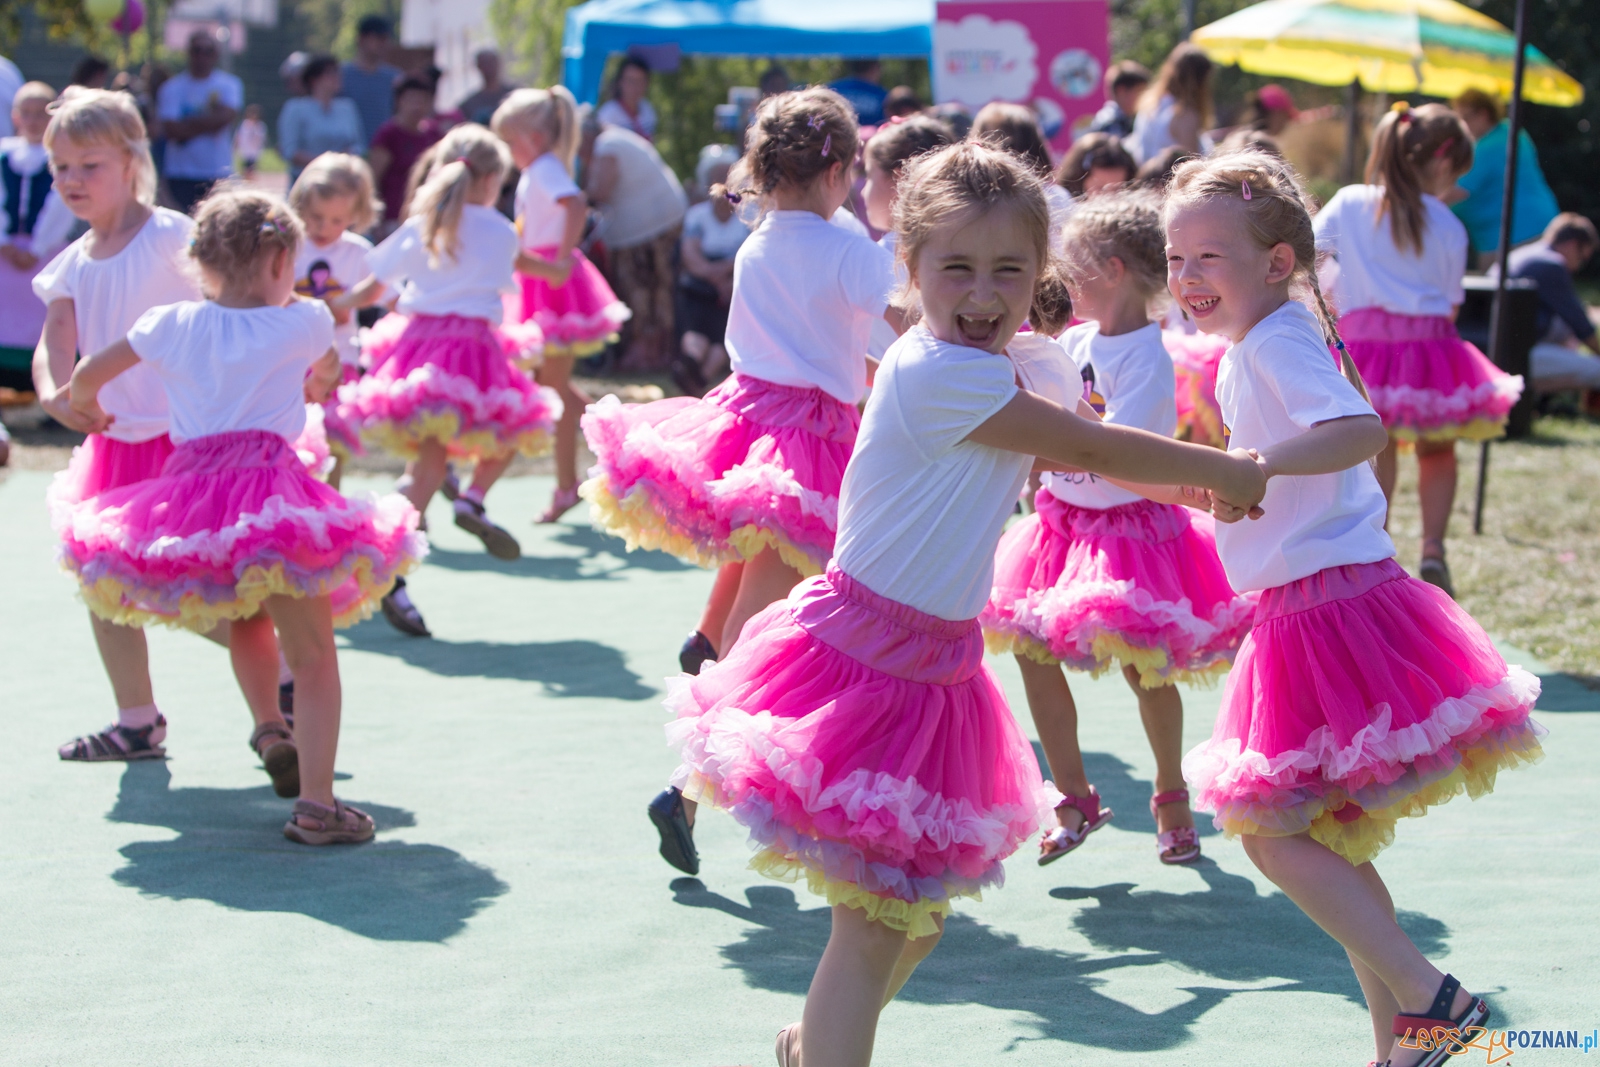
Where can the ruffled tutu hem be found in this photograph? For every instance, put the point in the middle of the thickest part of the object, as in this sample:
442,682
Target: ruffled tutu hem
1361,697
233,519
99,464
1195,359
893,778
448,378
1426,383
754,465
578,318
1137,585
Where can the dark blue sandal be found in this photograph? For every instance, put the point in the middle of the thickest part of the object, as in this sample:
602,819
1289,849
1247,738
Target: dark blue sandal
677,836
1436,1033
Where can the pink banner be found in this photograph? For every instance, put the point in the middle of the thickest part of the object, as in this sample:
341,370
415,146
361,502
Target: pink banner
1048,54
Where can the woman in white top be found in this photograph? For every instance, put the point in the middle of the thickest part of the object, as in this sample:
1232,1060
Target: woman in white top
321,121
448,384
747,479
628,107
713,233
234,528
132,259
854,730
1176,109
1401,254
1361,695
1099,575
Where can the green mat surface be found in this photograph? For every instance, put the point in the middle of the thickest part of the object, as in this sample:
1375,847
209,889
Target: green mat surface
513,909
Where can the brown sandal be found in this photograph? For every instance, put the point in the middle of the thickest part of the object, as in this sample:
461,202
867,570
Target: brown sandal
279,757
338,825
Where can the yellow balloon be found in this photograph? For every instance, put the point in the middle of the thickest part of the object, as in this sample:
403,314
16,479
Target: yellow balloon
104,10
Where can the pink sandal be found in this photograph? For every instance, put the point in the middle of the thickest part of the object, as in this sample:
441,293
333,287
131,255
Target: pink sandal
1064,840
1179,845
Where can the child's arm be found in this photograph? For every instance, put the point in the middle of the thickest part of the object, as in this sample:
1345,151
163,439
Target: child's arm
1033,425
1326,448
364,294
324,376
92,375
555,271
52,363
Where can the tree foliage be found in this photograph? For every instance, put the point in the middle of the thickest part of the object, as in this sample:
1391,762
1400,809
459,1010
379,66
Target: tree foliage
64,20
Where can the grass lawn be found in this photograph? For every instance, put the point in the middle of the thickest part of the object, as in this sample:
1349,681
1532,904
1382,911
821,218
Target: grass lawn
1530,577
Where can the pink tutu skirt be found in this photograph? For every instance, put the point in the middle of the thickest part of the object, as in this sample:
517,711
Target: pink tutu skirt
1195,357
232,519
1139,584
522,342
103,463
753,465
449,378
1360,697
579,317
892,777
1427,383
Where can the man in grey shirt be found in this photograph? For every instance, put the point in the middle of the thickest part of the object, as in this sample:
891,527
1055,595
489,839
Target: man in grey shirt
367,79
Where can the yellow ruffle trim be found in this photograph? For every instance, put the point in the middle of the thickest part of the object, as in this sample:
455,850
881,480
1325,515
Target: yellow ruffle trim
915,919
1360,840
634,519
403,439
106,598
578,349
1110,651
1476,430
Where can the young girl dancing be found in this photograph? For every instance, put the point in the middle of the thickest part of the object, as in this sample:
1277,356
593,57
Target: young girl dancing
1401,254
1361,695
855,729
1099,573
335,201
561,290
132,259
446,385
883,158
233,527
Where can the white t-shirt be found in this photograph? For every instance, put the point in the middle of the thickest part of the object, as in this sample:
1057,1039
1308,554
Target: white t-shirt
1375,272
804,297
324,272
612,113
883,335
108,296
648,199
1274,385
1134,385
922,507
183,97
543,185
234,368
847,220
1061,207
718,240
1152,132
468,284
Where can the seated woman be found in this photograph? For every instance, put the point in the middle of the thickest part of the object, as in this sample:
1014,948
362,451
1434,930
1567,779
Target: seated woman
712,233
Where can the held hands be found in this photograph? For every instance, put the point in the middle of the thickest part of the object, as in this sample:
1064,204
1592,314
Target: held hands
83,414
1247,485
20,258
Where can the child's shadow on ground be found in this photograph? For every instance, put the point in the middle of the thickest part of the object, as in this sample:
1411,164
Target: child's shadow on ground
563,668
229,850
604,558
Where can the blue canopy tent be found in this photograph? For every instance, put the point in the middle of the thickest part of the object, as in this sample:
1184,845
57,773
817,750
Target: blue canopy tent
600,28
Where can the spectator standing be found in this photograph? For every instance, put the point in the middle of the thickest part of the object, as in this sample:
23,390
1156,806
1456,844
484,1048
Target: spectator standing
1125,83
11,80
321,121
641,205
34,226
1095,162
195,110
1563,321
1534,205
1271,110
90,71
399,143
250,140
901,103
628,107
479,106
861,86
712,234
774,80
367,79
1176,108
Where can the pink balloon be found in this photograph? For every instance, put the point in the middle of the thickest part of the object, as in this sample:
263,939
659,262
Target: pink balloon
131,19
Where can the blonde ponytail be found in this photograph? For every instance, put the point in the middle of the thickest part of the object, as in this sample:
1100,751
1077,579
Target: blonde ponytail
467,154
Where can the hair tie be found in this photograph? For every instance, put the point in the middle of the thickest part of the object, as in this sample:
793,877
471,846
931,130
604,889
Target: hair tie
814,122
1338,342
463,160
731,196
273,225
1400,106
1444,146
1245,185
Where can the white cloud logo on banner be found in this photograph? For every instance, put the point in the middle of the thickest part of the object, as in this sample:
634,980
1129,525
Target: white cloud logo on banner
980,59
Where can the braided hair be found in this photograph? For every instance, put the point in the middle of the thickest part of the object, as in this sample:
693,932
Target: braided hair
795,139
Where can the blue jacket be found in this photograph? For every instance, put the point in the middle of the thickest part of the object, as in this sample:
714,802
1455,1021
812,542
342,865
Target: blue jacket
1535,204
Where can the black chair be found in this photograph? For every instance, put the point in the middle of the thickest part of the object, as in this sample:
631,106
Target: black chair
1518,334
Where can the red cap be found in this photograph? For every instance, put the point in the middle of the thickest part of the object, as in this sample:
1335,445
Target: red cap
1277,98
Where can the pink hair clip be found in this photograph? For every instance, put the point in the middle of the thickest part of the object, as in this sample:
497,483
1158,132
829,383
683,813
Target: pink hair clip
1246,185
827,144
1444,146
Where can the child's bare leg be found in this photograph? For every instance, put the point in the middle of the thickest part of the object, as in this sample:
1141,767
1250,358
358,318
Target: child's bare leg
488,471
306,628
1436,488
1353,907
1055,717
556,372
426,474
253,649
719,605
126,656
336,475
849,990
220,634
1380,1002
914,953
1161,709
764,580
